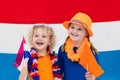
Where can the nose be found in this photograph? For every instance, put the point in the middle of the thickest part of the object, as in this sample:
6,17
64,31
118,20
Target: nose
39,38
74,31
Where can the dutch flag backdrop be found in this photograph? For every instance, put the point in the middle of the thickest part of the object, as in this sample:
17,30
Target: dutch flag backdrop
18,16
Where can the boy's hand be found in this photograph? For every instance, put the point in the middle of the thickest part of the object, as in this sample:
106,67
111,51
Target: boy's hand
23,73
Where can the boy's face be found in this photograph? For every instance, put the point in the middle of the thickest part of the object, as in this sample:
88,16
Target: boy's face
77,32
41,39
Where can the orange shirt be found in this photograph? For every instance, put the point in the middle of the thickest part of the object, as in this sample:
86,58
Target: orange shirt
45,68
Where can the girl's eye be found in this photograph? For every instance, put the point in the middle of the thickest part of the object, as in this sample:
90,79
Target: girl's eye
79,29
72,27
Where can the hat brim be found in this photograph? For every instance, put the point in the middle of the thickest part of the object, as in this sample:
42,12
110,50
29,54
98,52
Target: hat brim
66,25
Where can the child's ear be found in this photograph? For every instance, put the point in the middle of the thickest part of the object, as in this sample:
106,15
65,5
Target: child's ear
49,43
86,34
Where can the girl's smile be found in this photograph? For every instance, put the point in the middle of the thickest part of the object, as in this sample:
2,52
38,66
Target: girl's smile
77,32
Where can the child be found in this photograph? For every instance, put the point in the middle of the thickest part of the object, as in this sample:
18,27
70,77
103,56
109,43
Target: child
77,56
42,64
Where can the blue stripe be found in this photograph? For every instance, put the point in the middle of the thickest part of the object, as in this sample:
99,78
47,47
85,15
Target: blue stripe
7,69
109,61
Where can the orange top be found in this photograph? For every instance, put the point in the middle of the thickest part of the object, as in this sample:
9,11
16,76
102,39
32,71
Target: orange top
45,68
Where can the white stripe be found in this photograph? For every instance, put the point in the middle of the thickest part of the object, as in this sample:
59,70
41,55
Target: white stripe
106,36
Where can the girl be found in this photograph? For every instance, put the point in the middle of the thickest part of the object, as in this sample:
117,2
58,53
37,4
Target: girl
42,64
77,56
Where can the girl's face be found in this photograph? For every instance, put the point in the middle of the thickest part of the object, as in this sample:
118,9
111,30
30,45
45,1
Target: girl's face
77,32
41,39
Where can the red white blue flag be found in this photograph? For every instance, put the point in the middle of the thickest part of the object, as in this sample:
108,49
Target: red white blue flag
18,16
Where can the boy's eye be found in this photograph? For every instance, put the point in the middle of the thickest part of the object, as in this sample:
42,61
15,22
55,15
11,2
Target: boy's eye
36,35
43,36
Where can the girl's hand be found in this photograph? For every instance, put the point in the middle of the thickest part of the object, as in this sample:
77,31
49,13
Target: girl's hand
57,78
89,76
23,74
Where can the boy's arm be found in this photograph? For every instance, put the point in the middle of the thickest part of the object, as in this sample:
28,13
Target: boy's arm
23,73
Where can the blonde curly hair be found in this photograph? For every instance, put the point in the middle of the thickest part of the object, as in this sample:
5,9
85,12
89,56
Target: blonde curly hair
45,28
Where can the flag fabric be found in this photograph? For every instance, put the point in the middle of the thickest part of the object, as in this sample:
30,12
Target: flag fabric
20,54
52,11
17,17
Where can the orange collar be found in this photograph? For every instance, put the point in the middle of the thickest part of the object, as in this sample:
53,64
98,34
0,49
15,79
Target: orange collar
69,50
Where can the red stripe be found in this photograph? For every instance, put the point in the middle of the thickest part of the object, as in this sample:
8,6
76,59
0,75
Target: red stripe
56,11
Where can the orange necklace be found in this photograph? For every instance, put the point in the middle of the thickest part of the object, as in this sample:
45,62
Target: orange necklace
75,57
